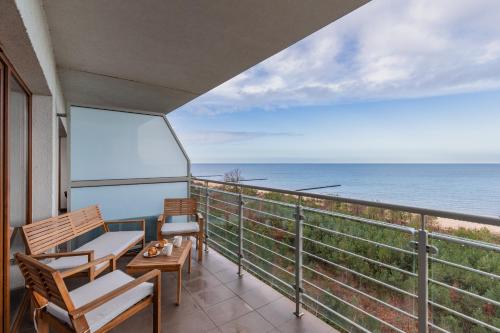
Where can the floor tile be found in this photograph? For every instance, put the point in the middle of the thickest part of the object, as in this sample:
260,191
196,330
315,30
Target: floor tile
194,323
278,312
244,284
260,296
306,324
249,323
201,283
214,295
228,310
227,275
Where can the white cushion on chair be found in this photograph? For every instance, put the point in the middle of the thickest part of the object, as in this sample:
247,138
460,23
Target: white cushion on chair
103,314
178,228
113,242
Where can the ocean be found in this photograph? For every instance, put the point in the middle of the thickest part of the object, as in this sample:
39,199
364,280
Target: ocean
466,188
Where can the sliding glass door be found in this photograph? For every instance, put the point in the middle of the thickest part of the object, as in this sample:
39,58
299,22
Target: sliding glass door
16,187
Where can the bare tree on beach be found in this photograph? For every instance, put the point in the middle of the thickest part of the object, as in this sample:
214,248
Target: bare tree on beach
233,176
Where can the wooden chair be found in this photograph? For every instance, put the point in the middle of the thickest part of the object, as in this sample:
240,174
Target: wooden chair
182,207
95,307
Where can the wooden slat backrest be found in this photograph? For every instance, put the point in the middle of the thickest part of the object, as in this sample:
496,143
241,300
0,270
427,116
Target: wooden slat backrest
86,219
177,207
47,234
44,235
45,281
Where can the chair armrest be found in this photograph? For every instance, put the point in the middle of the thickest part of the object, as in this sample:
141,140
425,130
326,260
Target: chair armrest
198,216
78,269
154,274
88,253
142,222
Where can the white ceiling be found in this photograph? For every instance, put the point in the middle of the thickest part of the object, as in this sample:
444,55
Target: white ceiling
157,55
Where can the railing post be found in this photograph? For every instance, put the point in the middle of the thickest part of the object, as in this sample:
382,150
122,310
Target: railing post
207,217
423,275
299,219
240,234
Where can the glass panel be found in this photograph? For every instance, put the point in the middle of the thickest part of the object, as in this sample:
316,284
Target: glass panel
18,180
130,201
121,145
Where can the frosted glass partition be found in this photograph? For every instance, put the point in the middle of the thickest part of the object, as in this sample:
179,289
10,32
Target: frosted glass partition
125,201
121,145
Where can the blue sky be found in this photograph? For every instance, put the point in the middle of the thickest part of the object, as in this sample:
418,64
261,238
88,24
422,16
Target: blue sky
394,81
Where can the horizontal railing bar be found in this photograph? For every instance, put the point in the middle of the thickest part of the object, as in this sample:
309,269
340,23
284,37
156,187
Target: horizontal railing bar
463,316
416,210
273,284
269,274
381,224
265,248
268,226
275,202
463,241
468,293
269,214
361,275
225,230
438,328
198,195
470,269
223,247
225,202
335,313
272,239
373,261
211,189
223,238
360,239
268,262
354,307
223,220
223,210
394,308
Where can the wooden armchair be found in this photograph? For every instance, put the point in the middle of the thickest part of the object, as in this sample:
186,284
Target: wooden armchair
182,207
94,307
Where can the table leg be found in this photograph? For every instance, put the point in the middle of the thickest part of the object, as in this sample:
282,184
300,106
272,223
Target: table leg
179,285
189,262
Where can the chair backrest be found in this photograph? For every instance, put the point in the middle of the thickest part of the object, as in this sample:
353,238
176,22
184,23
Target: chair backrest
177,207
41,236
44,281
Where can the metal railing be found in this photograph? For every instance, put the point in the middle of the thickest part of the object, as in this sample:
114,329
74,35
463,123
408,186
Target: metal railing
362,266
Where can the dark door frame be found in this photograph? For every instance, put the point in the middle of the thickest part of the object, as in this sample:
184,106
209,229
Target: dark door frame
7,71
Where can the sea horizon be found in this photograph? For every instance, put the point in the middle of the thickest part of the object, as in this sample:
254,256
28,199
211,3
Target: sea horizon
472,188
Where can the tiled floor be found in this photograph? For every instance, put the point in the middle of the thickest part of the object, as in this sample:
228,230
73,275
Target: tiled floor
215,299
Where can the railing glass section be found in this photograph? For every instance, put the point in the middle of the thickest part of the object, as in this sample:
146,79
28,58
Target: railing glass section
362,266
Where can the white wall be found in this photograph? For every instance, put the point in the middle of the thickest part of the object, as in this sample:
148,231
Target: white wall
44,108
45,151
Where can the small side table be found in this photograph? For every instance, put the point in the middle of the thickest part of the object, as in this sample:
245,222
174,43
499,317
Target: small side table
172,263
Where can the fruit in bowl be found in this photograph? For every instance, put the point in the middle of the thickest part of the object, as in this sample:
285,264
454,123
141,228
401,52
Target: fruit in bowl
152,251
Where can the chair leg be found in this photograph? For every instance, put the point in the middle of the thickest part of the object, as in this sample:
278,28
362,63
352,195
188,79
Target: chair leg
199,247
42,326
157,306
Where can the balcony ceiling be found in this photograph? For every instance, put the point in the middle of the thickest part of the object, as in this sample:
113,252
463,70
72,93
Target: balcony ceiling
157,55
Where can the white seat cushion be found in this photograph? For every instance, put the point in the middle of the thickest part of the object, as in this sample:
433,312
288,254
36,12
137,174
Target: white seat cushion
114,242
103,314
177,228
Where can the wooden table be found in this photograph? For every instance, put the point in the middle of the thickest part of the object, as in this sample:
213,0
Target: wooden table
173,263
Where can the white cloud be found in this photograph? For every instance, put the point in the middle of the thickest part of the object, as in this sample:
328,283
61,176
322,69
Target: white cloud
386,49
218,137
